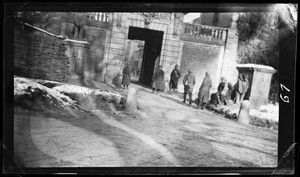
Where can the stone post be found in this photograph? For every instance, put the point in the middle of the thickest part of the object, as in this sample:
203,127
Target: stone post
131,101
243,116
259,83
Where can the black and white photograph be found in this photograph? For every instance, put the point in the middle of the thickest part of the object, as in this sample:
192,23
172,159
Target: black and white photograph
198,88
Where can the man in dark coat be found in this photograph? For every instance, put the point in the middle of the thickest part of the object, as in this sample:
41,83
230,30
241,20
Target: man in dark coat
188,81
224,90
245,86
158,80
126,76
175,75
241,87
203,95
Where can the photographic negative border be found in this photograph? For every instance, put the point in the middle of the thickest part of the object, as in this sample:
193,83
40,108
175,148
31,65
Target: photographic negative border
287,147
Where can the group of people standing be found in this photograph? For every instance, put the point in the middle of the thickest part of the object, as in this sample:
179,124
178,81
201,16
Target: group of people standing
224,94
189,81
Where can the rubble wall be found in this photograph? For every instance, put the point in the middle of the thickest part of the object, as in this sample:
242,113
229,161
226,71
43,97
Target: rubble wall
199,58
40,56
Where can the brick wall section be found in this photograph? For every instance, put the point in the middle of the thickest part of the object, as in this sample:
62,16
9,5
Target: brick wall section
38,55
199,58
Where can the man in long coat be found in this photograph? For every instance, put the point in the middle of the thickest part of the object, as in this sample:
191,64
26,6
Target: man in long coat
175,75
203,95
188,81
126,76
158,80
241,88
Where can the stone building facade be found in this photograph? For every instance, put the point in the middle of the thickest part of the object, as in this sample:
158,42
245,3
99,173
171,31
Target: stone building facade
167,41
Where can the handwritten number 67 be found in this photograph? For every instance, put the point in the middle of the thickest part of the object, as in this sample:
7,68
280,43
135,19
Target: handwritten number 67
284,98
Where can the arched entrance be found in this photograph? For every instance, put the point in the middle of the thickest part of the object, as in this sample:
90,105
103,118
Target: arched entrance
152,48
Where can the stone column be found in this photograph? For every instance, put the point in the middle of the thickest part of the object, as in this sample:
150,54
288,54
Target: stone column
76,51
114,59
259,83
230,55
104,65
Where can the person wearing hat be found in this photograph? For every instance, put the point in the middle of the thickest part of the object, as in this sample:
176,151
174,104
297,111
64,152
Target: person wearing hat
203,95
188,81
175,75
126,76
224,89
158,80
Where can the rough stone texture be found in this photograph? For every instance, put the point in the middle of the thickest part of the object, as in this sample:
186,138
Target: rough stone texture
96,37
40,56
199,58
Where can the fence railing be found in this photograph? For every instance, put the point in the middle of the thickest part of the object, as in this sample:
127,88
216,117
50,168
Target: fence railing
99,16
206,31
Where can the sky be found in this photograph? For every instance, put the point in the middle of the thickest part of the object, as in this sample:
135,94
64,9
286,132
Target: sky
190,16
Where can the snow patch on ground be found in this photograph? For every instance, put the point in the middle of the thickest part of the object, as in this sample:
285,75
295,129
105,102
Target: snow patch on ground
46,81
68,88
270,112
23,86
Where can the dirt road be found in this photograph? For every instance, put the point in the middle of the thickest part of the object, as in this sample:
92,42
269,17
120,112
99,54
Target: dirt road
165,132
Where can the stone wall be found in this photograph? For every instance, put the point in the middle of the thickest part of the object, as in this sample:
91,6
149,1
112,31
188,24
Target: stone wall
38,55
96,33
200,58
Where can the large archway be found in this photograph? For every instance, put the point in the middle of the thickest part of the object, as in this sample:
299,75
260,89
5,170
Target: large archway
153,43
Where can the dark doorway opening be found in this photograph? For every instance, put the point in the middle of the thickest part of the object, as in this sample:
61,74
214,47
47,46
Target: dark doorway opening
152,48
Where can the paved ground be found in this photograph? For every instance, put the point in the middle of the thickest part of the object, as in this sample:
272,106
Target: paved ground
165,132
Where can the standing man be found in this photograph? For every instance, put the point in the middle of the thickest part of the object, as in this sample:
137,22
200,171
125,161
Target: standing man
126,76
175,75
158,80
241,87
245,85
203,95
188,81
238,87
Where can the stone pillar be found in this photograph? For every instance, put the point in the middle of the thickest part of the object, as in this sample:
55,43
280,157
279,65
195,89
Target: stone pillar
259,83
230,55
131,101
114,58
77,53
243,116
